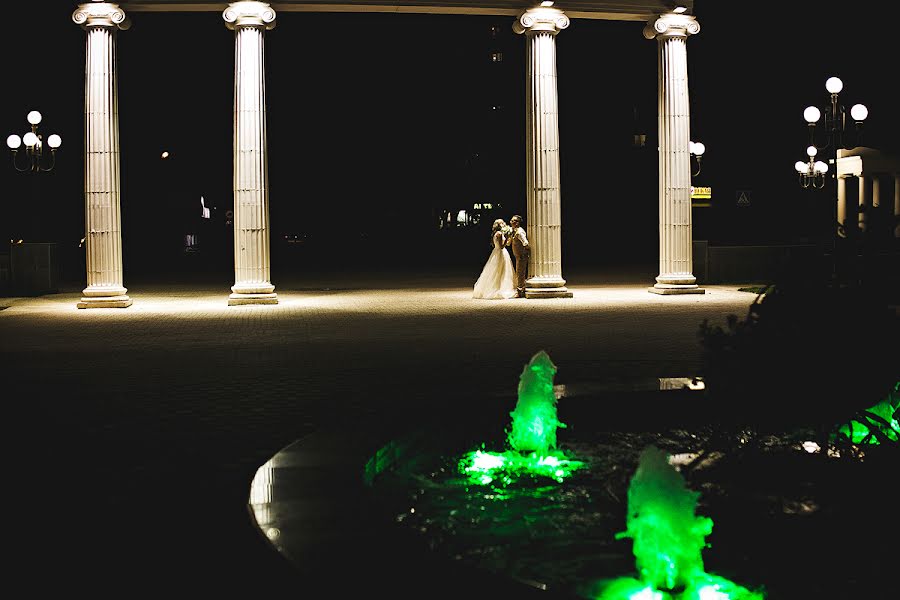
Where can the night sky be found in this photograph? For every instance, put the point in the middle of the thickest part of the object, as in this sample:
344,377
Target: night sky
377,122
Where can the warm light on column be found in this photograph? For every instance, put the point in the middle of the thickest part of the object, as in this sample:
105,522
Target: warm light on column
671,31
252,258
101,22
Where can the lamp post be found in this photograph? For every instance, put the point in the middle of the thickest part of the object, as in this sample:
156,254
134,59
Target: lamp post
32,265
34,147
812,173
696,149
35,159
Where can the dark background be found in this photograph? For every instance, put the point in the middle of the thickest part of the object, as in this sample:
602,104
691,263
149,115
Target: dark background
379,122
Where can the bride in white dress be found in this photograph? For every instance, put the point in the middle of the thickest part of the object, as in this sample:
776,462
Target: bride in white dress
497,279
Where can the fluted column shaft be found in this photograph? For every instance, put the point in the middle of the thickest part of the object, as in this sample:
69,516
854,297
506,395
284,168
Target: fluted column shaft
250,20
876,191
543,217
842,205
864,201
103,222
675,235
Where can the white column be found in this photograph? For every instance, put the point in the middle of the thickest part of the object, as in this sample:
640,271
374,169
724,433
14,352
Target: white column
842,205
675,260
543,217
876,190
102,215
250,20
864,201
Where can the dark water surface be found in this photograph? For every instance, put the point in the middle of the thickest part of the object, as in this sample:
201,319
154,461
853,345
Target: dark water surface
793,523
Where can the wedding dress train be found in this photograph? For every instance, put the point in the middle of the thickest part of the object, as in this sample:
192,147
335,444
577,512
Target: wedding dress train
497,279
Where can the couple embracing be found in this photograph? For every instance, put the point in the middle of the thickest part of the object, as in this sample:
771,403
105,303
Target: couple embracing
499,279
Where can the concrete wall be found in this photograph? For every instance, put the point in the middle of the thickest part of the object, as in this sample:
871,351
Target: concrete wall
748,264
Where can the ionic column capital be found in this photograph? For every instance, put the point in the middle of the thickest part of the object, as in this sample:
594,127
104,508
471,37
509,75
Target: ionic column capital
249,13
671,25
541,18
100,14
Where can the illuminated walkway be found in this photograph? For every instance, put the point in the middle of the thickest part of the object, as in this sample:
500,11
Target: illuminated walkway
131,436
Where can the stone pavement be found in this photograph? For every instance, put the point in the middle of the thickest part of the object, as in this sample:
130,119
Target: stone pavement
131,435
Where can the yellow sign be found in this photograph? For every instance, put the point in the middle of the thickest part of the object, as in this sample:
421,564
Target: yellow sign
701,193
701,197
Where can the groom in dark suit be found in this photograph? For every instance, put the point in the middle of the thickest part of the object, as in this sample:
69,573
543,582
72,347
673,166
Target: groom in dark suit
521,249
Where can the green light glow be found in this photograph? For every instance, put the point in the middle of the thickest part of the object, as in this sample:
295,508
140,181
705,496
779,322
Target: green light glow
713,587
532,436
866,429
667,540
667,537
534,420
626,588
504,468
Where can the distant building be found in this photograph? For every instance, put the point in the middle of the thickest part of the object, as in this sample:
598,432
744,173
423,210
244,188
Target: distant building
469,216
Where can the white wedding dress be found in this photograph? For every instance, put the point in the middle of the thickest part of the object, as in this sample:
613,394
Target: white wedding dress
497,279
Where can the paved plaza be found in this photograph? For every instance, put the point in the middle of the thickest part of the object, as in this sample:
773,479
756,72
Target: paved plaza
132,435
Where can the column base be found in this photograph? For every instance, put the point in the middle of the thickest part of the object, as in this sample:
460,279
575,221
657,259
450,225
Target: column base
241,299
104,296
676,283
667,289
562,292
555,287
105,302
252,293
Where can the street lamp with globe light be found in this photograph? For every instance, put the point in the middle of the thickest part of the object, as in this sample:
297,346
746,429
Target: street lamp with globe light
696,149
812,172
23,259
34,147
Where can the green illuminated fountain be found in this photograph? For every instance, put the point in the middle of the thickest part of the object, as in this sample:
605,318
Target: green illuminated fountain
534,421
531,436
667,540
517,504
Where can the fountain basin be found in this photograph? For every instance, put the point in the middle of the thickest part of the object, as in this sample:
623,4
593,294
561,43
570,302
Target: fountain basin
800,524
